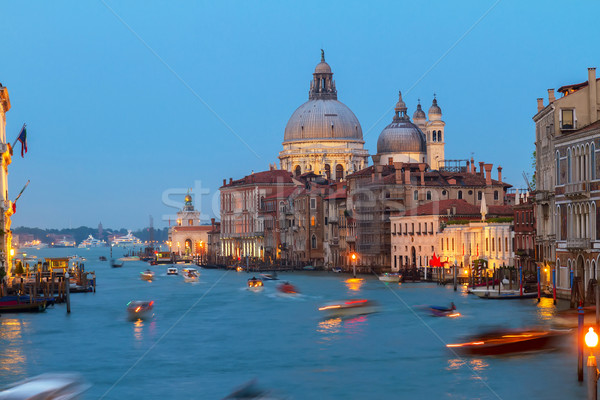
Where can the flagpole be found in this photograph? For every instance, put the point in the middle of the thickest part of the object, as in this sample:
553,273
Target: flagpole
17,139
22,190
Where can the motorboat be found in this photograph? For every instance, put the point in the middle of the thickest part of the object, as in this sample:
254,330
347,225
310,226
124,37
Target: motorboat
116,264
92,242
337,270
47,387
501,294
172,271
441,311
270,277
16,304
102,258
502,342
287,288
255,285
64,242
239,269
137,309
348,308
390,277
190,275
34,244
147,275
126,240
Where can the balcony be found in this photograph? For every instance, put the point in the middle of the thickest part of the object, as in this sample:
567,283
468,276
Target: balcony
579,190
578,244
542,196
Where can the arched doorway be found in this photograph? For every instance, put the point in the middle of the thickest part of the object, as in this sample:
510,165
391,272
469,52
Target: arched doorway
297,171
188,247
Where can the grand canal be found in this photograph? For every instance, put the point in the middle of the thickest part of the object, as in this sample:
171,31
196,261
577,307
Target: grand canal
210,337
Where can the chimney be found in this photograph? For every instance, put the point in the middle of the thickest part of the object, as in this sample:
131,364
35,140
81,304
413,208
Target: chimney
488,174
230,180
407,175
499,174
540,104
593,95
224,182
398,167
212,222
550,96
378,171
468,166
472,165
481,168
422,169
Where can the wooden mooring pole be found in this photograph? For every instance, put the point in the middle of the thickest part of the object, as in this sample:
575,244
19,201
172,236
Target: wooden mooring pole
68,292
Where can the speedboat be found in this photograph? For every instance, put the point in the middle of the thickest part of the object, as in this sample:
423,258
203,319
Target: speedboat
255,285
140,309
46,386
270,277
441,311
287,288
348,308
190,275
172,271
388,277
509,341
239,269
147,275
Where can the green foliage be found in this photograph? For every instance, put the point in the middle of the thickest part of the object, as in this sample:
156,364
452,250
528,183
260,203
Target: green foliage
19,268
458,222
534,167
500,220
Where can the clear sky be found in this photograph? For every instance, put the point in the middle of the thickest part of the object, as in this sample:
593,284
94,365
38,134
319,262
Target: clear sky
129,103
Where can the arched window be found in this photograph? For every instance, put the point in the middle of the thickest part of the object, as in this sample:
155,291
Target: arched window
416,195
495,195
557,168
339,172
328,171
569,175
439,136
313,242
297,170
459,194
313,221
592,161
428,195
434,136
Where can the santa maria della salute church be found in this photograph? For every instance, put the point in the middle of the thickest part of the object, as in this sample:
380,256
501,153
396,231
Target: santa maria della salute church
324,136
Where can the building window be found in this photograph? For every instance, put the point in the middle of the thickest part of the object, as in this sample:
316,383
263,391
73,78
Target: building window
470,192
399,228
495,195
592,161
487,244
434,136
313,242
479,195
439,136
452,244
459,194
493,242
312,221
339,172
567,119
442,244
328,171
569,166
557,168
297,170
428,195
416,195
190,222
313,204
499,244
506,244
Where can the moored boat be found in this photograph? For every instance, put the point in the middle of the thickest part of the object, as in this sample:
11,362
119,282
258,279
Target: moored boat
337,270
16,304
509,341
91,242
137,309
348,308
255,284
390,277
502,294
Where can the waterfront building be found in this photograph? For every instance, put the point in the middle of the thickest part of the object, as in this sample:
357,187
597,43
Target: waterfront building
6,206
323,135
524,228
187,237
214,242
335,246
242,225
453,230
567,192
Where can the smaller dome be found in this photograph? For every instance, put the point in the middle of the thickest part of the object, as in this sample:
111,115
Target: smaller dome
435,109
188,198
419,113
322,68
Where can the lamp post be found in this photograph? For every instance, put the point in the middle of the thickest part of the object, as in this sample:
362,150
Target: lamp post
591,341
353,256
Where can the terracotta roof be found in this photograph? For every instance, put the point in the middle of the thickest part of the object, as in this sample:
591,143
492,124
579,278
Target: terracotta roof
573,87
284,193
264,177
463,209
588,128
340,193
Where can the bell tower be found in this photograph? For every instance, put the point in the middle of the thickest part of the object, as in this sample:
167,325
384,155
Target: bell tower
435,137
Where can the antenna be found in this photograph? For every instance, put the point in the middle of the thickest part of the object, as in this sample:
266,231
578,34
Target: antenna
527,181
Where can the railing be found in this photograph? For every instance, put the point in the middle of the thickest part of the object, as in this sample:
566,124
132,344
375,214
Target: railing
578,243
579,189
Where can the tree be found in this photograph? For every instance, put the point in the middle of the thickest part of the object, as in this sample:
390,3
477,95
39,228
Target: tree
534,167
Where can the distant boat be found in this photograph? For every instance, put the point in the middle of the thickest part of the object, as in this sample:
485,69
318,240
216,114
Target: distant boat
172,271
287,288
147,275
190,275
102,258
255,285
349,308
140,309
441,311
64,242
337,270
387,277
91,242
126,240
270,277
502,294
309,268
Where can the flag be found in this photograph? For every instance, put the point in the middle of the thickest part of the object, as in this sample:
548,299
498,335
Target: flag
23,139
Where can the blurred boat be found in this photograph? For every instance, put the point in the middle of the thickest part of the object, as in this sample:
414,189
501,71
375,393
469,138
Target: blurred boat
255,285
388,277
147,275
102,258
239,269
251,390
172,271
440,311
190,275
270,277
137,309
509,341
129,258
309,268
348,308
287,288
337,270
46,387
502,294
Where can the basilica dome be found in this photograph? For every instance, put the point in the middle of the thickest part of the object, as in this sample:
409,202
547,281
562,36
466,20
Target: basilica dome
401,136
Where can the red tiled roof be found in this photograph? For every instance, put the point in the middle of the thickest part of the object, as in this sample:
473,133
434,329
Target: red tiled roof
264,177
340,193
284,193
588,128
462,209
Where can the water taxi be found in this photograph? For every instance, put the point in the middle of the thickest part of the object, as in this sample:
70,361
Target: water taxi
190,275
137,309
147,275
255,285
349,308
390,277
172,271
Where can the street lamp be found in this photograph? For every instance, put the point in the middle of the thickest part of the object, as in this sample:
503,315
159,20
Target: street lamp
591,341
353,256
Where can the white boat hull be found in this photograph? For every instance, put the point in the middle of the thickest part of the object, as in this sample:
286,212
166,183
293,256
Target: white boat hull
256,289
395,279
502,294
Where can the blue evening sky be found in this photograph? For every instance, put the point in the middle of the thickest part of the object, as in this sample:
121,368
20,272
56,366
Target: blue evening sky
122,119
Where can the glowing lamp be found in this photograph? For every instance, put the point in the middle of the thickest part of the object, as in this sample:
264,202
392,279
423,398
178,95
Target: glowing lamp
591,338
12,252
353,256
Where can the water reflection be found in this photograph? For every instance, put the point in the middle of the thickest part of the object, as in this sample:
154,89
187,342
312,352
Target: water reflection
475,364
12,358
138,329
330,326
354,284
546,310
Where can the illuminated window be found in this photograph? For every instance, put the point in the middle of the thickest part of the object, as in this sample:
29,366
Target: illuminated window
567,119
312,221
190,222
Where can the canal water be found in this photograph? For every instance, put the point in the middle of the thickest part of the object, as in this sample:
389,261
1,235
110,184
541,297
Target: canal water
210,337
